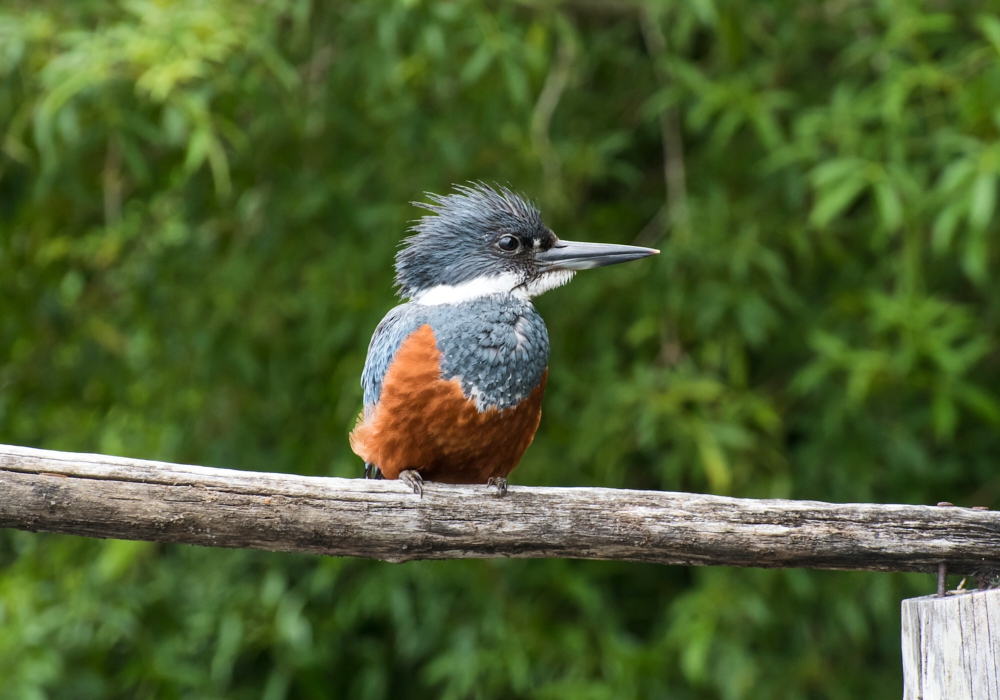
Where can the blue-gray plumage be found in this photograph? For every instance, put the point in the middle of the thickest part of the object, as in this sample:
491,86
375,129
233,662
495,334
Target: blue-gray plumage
497,347
457,244
454,378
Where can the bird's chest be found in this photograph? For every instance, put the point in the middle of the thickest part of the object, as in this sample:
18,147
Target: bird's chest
460,401
497,351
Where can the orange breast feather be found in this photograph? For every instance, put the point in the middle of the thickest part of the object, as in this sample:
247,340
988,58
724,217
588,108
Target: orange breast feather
424,422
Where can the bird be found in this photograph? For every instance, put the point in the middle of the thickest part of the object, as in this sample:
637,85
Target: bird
454,376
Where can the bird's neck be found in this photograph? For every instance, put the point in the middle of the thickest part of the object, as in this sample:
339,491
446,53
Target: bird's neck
467,291
492,285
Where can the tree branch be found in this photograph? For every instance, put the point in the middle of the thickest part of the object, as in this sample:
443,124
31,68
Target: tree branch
545,107
111,179
674,171
99,496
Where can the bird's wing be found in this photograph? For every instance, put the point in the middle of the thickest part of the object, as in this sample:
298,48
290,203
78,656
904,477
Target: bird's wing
396,327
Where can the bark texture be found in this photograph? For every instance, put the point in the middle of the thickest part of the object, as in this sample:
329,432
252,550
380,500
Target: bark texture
951,647
100,496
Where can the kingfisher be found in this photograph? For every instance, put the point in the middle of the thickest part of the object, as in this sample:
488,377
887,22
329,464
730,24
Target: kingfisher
454,377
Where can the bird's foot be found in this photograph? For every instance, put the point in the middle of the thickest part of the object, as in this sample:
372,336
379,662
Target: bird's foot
500,482
372,471
412,478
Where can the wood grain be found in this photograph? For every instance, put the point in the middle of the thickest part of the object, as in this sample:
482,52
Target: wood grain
951,647
100,496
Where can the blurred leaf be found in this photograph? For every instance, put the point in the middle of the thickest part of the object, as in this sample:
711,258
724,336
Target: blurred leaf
984,199
889,205
834,200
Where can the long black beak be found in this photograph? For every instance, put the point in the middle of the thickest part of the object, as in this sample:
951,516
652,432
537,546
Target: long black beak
570,255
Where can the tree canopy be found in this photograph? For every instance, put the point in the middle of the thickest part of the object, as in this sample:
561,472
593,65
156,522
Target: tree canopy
200,201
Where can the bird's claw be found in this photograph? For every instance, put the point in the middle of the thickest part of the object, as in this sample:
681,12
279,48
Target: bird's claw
413,479
501,484
372,471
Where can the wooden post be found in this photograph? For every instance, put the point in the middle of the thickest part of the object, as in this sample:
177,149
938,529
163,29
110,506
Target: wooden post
951,647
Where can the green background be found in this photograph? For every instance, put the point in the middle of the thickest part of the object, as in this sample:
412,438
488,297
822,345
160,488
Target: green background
199,205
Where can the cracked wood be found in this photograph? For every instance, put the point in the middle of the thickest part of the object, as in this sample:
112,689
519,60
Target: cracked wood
951,647
100,496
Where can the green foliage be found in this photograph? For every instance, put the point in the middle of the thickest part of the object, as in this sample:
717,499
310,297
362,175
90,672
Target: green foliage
199,205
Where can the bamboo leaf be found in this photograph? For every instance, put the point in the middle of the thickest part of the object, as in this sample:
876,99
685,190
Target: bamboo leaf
889,205
984,199
832,202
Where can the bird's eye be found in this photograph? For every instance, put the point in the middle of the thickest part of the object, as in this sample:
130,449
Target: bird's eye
508,244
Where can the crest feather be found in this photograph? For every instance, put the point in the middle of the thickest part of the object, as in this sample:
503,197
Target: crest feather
475,211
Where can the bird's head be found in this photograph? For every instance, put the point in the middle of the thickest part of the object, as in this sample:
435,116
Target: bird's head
485,240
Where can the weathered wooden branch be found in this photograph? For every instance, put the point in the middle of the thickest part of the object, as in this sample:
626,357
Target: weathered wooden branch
99,496
951,647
